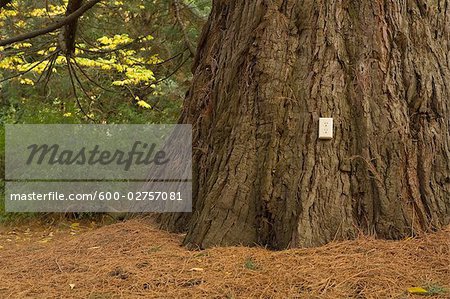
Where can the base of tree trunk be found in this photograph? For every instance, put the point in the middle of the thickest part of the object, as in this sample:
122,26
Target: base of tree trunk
266,71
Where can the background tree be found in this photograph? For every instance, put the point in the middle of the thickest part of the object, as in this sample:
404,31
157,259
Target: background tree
120,62
264,73
126,61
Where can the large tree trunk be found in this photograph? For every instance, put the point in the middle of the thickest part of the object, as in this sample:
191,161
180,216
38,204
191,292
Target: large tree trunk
266,71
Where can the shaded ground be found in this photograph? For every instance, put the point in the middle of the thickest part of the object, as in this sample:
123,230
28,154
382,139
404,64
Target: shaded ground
134,260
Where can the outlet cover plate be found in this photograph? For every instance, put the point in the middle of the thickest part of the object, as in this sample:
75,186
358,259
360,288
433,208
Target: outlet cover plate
325,128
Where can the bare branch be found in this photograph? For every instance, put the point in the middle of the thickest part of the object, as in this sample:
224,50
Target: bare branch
50,71
48,66
136,62
170,75
75,90
63,22
89,78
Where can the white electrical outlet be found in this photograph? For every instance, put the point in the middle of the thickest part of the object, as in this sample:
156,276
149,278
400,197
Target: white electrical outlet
325,128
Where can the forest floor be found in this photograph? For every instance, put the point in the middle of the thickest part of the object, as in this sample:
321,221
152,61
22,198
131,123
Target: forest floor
132,259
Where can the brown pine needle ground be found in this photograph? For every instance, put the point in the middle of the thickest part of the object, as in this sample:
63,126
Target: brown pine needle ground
135,260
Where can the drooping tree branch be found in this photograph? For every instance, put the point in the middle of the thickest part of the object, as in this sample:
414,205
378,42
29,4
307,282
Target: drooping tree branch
63,22
89,78
30,68
74,88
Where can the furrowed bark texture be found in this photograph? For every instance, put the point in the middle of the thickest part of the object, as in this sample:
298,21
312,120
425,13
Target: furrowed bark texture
266,71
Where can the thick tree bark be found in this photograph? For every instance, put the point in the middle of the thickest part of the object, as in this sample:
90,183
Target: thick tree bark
267,70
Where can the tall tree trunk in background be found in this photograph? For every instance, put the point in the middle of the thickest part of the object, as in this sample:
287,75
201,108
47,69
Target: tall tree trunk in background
70,30
266,71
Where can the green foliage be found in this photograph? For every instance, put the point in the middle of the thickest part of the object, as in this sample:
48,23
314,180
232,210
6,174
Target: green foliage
435,289
251,264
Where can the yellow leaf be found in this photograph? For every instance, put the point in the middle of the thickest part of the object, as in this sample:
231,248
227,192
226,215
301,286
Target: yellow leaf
75,225
144,104
26,81
417,290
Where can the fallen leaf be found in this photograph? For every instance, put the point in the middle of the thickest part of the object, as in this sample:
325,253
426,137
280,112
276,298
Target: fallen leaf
197,269
417,290
75,225
72,285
